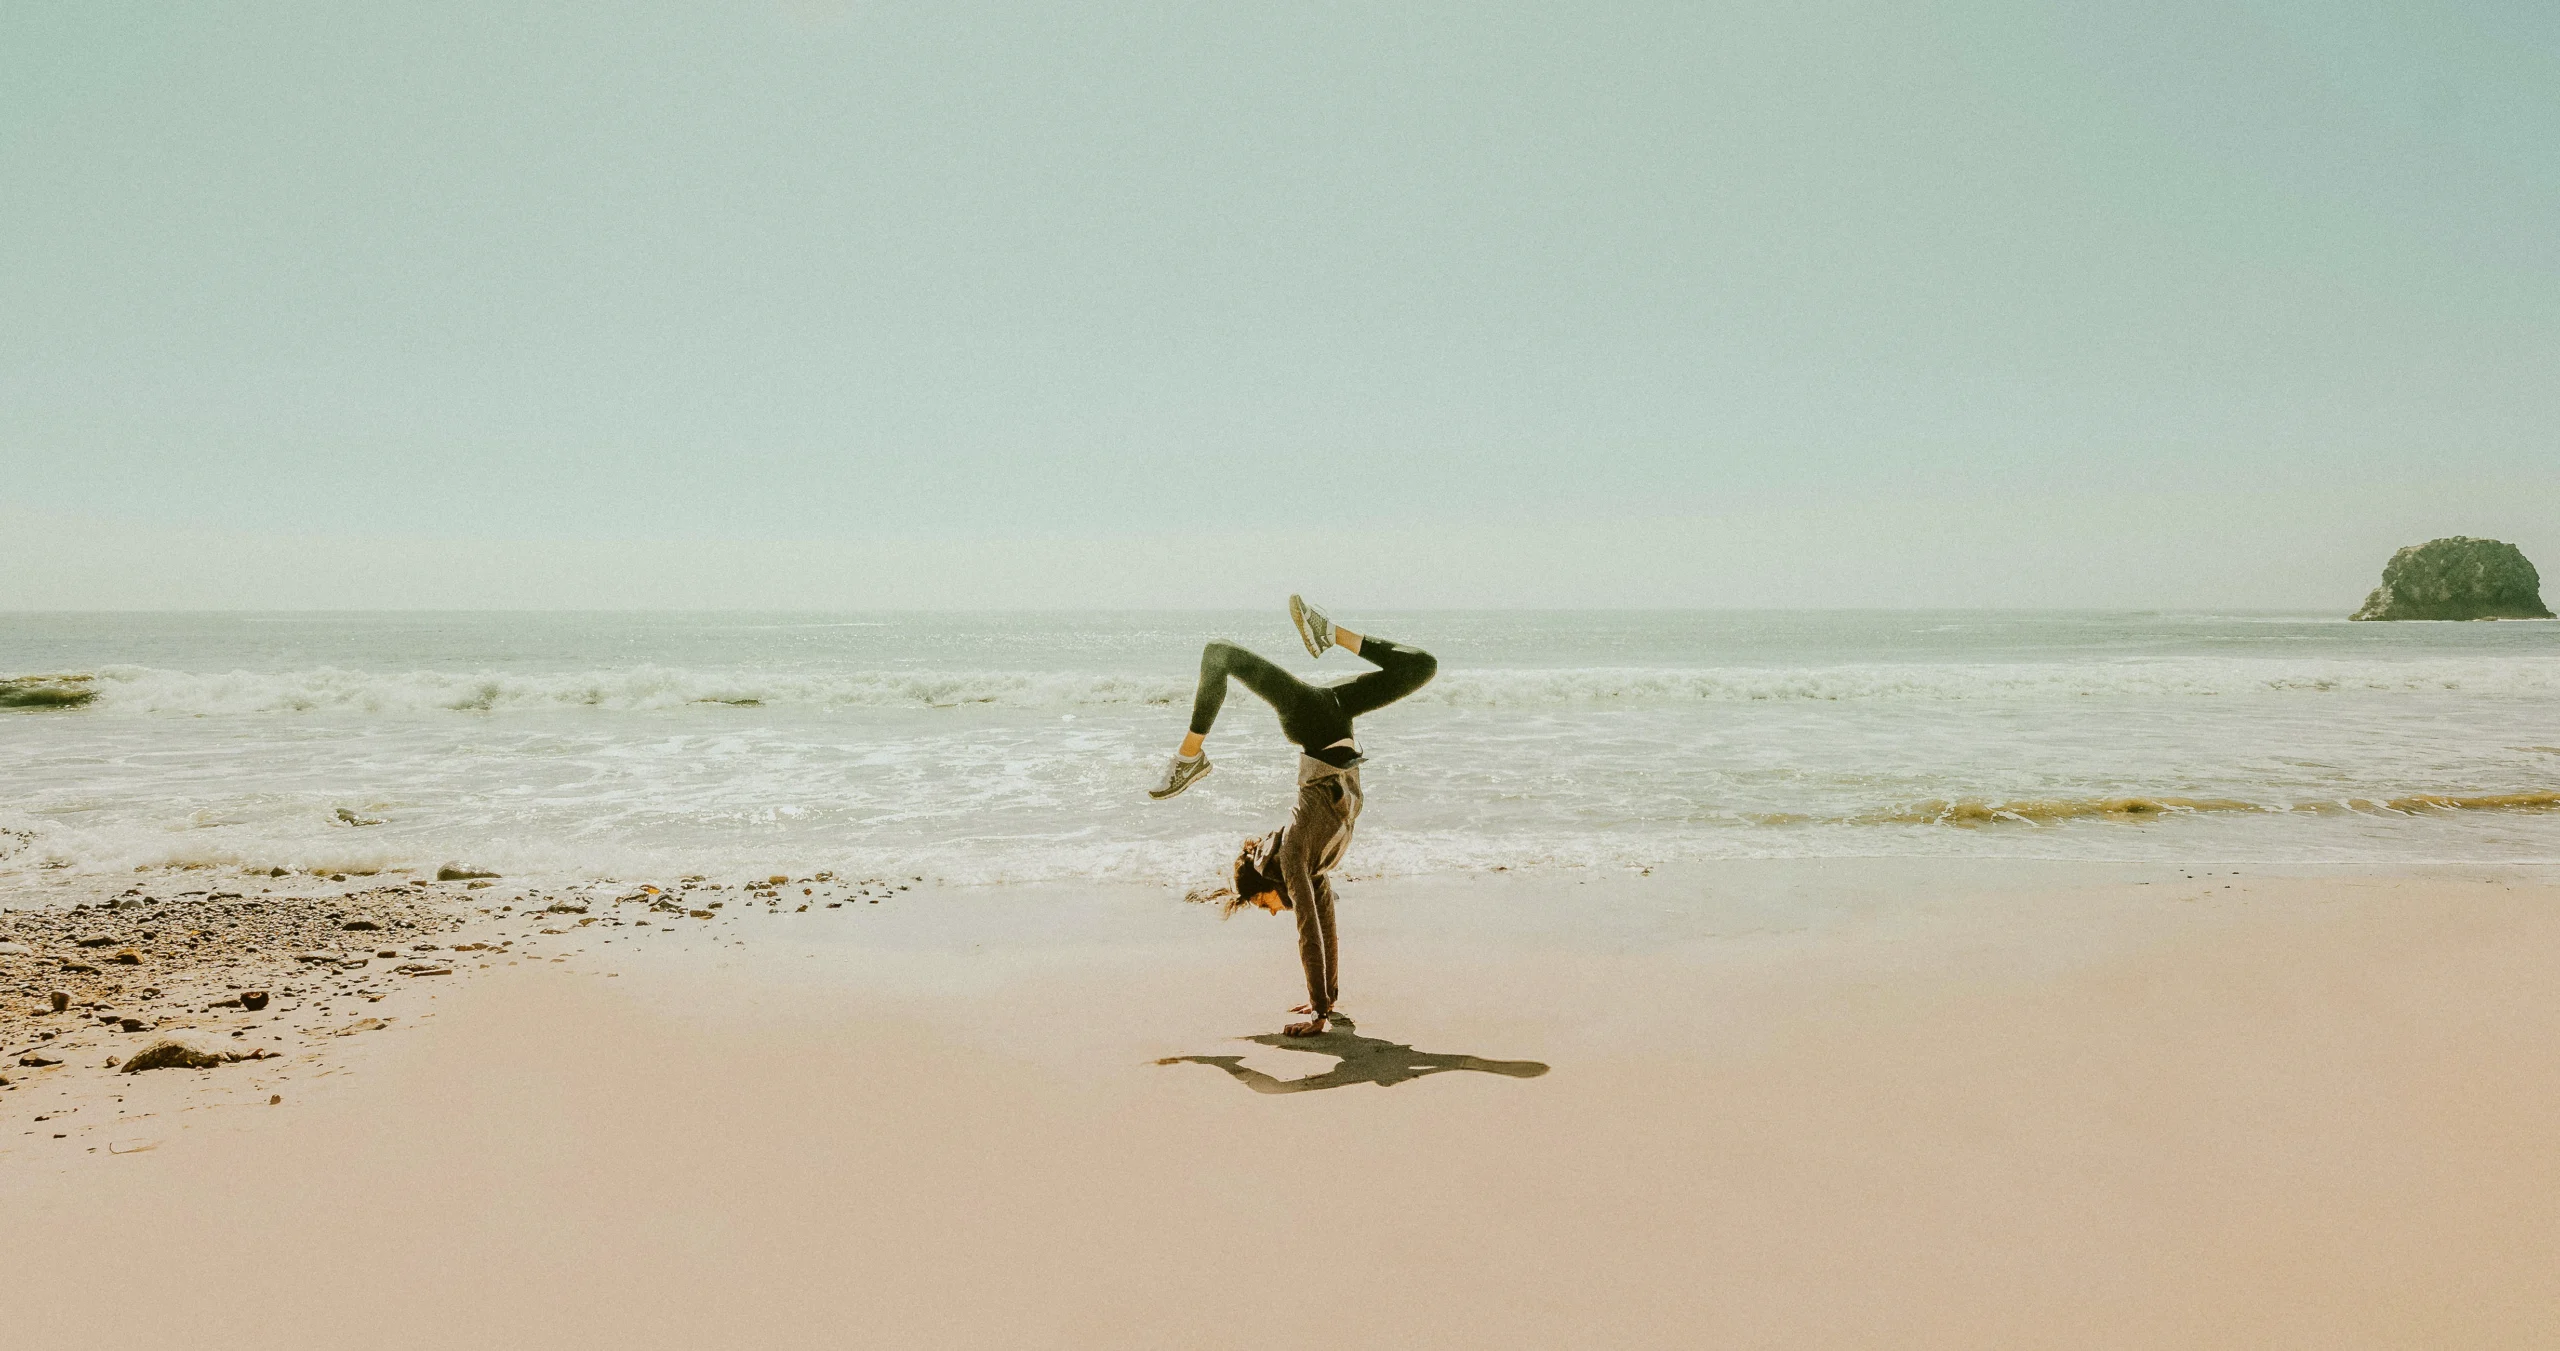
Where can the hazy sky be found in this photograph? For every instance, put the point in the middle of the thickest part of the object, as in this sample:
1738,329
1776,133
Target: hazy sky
852,304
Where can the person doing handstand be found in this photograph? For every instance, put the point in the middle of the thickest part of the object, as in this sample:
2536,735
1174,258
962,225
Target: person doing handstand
1288,868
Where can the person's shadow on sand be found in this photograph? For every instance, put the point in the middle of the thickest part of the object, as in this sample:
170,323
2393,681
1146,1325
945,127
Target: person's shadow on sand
1363,1060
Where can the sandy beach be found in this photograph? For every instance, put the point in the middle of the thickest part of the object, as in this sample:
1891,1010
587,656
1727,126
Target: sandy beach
1807,1103
1908,650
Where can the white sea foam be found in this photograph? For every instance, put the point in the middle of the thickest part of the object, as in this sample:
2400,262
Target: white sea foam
136,689
1008,748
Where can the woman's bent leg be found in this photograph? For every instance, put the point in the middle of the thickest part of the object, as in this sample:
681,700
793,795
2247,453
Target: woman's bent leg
1401,671
1221,659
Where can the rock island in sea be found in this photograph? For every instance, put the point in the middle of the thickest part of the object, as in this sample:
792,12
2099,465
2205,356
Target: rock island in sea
2457,578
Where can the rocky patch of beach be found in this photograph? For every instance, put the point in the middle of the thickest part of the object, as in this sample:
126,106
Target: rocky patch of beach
236,982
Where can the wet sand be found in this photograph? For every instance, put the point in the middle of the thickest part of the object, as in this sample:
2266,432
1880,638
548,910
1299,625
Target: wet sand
1802,1104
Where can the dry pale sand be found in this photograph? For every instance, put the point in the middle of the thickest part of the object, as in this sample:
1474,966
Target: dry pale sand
1808,1104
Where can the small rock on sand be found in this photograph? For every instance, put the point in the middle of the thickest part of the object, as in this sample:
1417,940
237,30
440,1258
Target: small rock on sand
359,925
450,873
128,957
99,941
16,950
171,1055
61,1000
253,1000
567,907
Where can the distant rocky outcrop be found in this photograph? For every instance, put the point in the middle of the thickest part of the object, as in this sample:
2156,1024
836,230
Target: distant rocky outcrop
2457,578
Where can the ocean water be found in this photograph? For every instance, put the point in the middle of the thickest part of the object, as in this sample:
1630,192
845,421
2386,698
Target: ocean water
995,747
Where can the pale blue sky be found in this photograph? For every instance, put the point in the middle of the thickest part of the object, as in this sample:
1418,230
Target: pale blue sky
997,304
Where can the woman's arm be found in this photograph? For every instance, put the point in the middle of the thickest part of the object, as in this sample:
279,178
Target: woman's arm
1297,869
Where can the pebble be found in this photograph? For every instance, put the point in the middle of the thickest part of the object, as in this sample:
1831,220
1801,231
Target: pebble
253,1000
16,950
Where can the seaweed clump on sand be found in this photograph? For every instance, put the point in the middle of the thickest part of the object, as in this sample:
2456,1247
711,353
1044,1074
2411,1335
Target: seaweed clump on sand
46,691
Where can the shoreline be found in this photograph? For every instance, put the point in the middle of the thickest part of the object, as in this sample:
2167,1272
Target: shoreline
1799,1103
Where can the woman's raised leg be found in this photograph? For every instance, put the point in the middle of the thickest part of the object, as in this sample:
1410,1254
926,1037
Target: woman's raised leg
1401,671
1220,659
1289,696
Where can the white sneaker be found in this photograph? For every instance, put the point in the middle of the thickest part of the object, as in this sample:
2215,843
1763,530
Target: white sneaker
1180,774
1314,629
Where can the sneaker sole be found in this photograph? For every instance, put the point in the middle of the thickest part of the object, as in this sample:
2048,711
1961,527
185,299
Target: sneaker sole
1306,631
1176,790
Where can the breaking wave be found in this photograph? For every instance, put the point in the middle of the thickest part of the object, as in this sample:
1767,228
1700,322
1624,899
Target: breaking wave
134,689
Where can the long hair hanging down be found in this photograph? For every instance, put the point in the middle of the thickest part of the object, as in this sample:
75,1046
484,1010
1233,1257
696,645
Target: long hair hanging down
1254,876
1225,898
